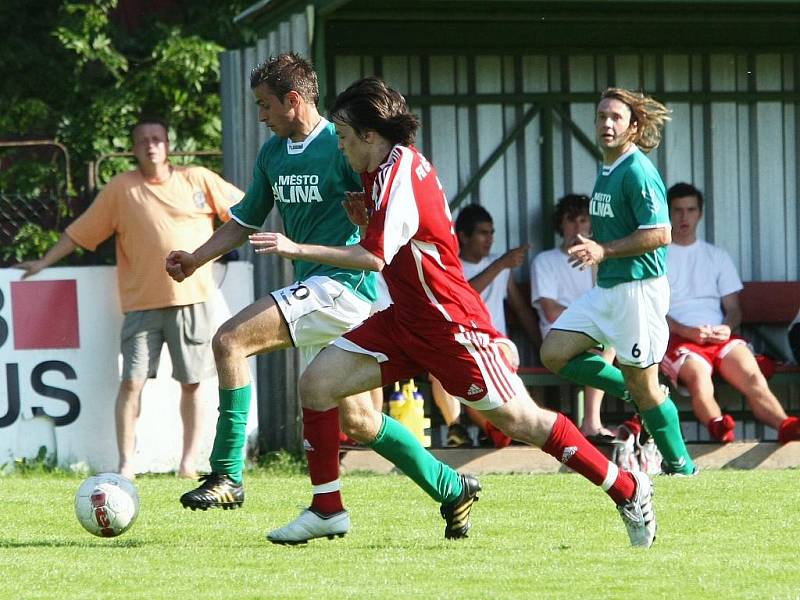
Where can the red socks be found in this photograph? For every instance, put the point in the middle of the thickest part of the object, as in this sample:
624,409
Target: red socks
789,430
499,439
321,443
722,429
569,446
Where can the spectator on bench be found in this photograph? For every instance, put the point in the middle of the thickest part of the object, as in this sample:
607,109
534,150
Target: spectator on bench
490,275
704,310
555,285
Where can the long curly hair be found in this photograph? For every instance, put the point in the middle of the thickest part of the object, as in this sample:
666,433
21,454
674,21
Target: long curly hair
648,114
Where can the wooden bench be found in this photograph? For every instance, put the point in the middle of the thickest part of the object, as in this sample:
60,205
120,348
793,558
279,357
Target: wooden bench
764,304
770,304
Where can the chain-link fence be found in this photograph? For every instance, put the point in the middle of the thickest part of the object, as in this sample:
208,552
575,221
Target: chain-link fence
37,199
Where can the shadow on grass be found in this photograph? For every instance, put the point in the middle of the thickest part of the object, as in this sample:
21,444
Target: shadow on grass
91,543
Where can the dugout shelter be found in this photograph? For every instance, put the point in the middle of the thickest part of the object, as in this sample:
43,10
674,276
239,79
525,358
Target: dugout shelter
506,92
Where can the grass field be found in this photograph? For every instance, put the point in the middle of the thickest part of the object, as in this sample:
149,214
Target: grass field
725,534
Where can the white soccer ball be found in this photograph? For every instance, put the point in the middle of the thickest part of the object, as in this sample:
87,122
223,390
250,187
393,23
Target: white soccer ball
107,504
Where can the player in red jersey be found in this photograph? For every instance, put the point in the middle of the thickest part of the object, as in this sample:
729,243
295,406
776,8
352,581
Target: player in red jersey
437,323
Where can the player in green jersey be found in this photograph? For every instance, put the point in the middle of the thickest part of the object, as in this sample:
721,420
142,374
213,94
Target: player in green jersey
628,308
301,171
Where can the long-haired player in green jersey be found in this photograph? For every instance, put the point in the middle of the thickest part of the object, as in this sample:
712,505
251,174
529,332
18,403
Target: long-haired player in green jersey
628,307
302,173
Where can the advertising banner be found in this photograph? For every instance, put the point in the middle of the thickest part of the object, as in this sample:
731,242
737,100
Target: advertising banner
60,366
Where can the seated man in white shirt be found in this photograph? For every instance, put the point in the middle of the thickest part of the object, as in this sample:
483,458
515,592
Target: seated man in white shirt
490,275
555,284
704,309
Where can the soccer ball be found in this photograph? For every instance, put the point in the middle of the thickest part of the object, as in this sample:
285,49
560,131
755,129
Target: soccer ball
106,504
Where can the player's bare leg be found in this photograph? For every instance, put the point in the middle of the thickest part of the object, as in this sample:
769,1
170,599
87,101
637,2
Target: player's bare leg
592,424
523,420
321,390
559,347
128,407
740,369
256,329
192,414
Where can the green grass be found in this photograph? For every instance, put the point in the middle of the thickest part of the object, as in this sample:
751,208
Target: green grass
725,534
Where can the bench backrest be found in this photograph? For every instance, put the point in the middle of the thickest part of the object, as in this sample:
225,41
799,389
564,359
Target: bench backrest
763,302
770,302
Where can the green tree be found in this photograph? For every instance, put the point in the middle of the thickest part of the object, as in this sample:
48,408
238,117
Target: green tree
81,73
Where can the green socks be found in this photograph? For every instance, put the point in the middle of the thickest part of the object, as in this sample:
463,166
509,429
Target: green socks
399,446
663,424
590,369
227,455
662,421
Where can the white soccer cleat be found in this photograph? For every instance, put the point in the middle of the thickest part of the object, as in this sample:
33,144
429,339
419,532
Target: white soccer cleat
309,525
638,513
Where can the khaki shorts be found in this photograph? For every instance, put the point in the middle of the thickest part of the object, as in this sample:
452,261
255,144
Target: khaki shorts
187,330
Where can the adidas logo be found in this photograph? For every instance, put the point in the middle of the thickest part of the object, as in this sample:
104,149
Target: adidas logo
475,389
307,447
569,452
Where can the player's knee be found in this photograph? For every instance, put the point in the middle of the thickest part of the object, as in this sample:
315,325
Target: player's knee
354,423
224,343
551,357
311,388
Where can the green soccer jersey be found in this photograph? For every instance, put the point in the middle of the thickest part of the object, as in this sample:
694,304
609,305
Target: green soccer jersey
627,196
307,180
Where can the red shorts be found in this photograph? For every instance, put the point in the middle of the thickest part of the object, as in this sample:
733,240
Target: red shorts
679,349
470,363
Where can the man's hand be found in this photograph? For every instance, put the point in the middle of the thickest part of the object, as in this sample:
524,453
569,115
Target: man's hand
268,242
585,253
355,204
704,334
181,265
720,334
31,267
514,257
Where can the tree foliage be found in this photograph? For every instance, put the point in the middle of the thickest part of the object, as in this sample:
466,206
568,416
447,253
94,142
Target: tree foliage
82,73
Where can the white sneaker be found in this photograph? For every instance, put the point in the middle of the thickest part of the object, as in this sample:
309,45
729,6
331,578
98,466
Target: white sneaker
623,453
638,513
309,525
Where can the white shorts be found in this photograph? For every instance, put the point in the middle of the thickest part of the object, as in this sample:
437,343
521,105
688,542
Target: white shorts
319,310
631,317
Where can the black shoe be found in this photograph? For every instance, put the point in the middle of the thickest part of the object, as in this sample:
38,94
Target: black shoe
458,437
456,514
217,490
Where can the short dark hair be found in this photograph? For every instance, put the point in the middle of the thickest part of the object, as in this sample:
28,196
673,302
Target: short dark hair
150,120
370,104
571,206
470,216
287,72
682,190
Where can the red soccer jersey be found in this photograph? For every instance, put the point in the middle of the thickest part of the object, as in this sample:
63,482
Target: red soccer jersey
411,230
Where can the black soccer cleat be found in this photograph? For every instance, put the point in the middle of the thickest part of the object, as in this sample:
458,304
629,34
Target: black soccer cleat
456,514
217,491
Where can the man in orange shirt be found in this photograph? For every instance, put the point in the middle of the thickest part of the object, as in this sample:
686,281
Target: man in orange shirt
152,209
